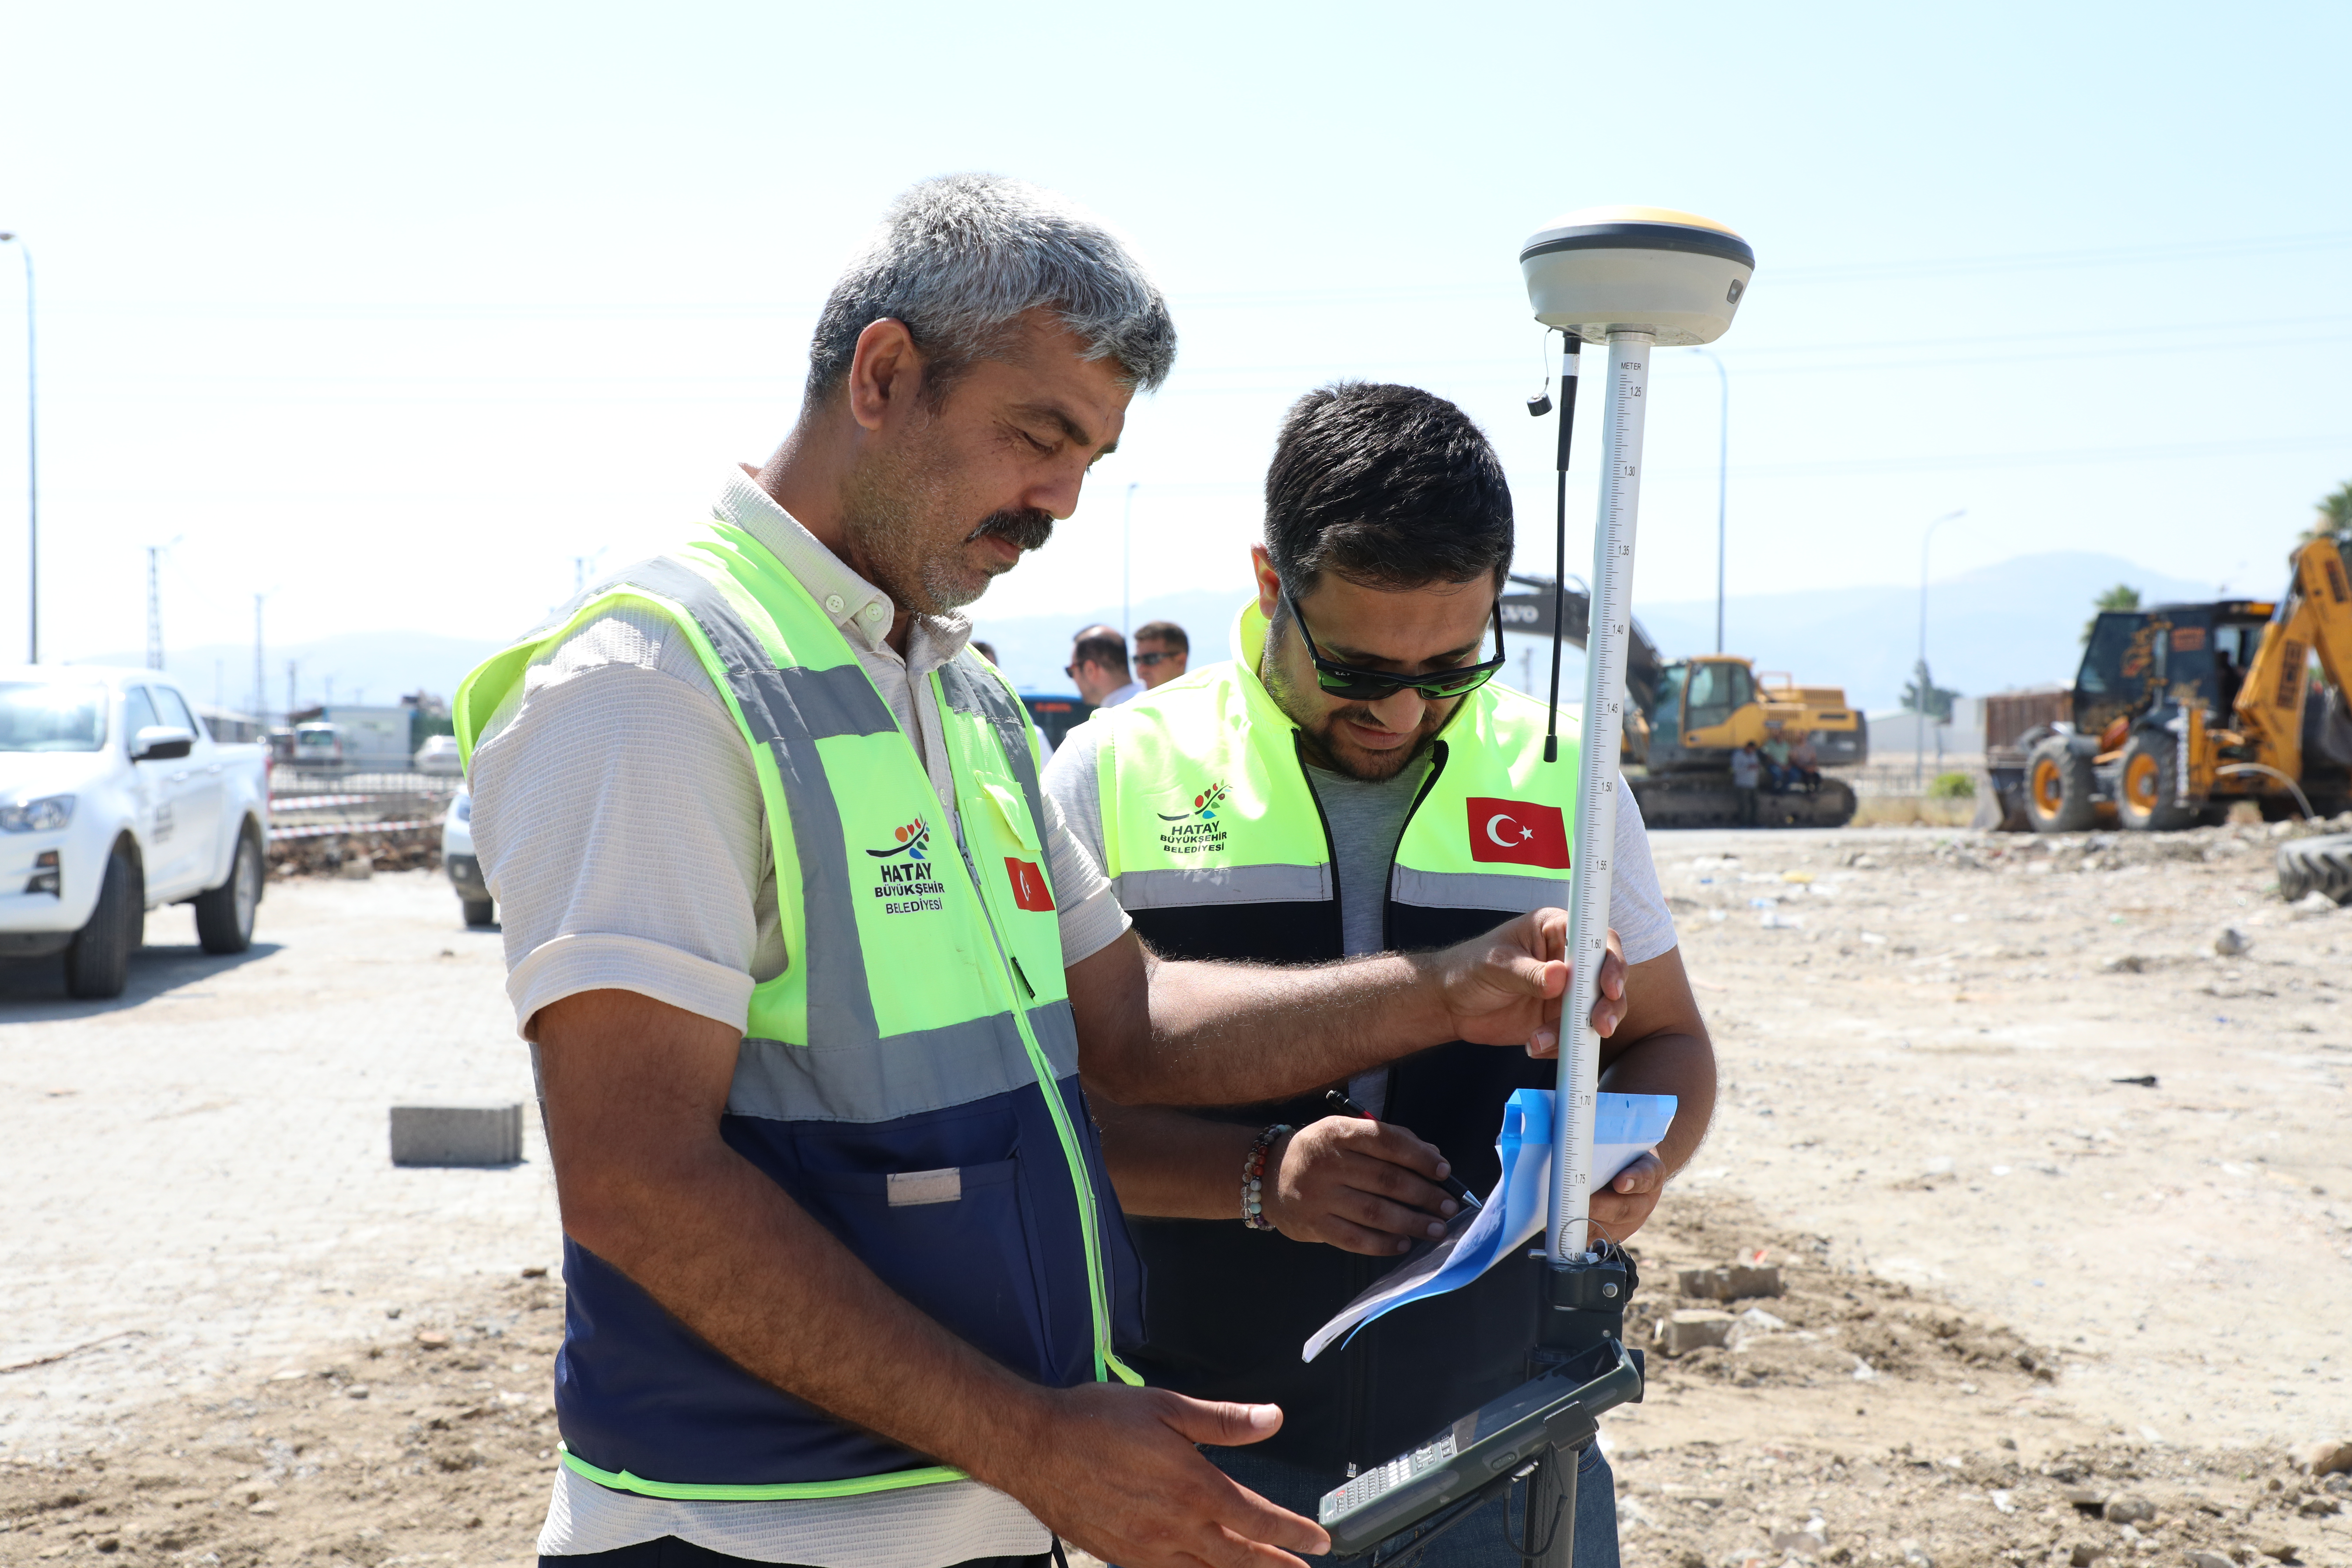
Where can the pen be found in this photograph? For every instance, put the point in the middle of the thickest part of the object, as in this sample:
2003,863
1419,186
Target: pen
1453,1185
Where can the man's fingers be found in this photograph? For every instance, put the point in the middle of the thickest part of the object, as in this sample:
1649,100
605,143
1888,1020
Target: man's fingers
1253,1520
1350,1236
1641,1176
1222,1422
1395,1219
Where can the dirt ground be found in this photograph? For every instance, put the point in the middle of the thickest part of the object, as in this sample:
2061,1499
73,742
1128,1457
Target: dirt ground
2034,1309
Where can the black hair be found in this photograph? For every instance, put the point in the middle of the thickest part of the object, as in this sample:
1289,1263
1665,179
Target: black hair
1110,650
1388,486
1167,632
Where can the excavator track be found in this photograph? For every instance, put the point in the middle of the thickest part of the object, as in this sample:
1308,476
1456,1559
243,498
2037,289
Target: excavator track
1707,800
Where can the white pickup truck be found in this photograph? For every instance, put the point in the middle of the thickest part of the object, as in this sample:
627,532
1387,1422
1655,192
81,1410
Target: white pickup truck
115,799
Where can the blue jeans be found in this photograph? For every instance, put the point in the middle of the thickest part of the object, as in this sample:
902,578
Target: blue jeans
1474,1543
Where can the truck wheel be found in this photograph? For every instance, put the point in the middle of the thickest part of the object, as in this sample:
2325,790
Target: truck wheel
480,912
2148,792
98,961
224,914
2323,864
2058,788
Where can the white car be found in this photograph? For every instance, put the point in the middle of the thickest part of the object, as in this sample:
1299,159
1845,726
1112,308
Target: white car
438,755
115,799
458,859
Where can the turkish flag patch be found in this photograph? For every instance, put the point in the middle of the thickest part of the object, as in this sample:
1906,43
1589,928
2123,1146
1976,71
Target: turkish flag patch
1518,832
1029,890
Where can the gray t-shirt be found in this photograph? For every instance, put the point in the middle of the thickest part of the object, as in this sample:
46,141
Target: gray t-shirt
1366,821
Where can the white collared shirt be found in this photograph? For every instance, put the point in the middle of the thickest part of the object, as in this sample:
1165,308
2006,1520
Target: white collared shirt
620,826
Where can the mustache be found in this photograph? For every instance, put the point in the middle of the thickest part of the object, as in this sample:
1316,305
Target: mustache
1025,526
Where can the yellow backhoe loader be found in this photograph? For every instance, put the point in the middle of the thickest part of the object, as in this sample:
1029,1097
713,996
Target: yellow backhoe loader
2183,709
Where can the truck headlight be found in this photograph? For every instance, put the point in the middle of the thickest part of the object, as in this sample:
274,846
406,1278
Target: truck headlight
42,816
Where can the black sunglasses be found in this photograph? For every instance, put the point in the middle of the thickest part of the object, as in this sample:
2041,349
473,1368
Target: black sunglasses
1371,685
1153,660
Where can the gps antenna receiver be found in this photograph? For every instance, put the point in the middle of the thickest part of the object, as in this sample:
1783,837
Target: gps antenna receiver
1633,278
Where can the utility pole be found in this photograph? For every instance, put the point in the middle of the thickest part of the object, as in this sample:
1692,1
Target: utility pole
261,690
32,468
291,665
1127,565
1722,488
155,611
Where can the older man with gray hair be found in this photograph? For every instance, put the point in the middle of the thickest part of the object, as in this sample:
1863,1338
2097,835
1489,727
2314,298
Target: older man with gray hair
810,967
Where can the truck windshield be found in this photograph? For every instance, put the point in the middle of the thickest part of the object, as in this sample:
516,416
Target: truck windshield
36,716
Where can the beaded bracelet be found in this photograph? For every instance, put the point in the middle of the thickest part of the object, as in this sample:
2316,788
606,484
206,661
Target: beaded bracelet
1254,1177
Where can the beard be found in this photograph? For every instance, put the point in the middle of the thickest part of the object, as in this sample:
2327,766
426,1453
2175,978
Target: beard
894,510
1321,738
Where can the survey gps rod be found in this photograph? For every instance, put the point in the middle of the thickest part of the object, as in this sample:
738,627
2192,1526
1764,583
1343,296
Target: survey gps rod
1633,280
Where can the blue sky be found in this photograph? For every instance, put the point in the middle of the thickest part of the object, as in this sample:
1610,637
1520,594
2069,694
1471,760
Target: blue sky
393,312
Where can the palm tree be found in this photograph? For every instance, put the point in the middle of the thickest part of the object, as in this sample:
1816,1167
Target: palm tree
2122,596
2335,518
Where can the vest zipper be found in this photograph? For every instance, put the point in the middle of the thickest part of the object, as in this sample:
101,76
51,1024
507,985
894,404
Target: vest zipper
1051,1090
1388,902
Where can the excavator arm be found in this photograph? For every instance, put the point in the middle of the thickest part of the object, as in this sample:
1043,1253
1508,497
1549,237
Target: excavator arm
2316,618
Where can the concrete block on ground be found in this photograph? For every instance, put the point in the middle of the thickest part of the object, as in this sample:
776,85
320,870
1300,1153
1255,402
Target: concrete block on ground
456,1134
1694,1328
1736,1283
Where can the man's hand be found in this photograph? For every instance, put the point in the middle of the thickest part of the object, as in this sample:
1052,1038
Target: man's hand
1361,1186
1620,1208
1114,1470
1505,988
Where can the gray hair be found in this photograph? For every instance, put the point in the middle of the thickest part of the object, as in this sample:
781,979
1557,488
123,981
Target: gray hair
958,258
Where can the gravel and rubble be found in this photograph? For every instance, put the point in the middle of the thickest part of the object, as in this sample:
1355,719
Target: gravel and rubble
2023,1234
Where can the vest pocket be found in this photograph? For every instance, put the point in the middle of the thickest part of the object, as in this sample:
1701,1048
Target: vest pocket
968,1261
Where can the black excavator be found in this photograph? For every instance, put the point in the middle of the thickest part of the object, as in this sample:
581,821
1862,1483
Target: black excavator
1690,715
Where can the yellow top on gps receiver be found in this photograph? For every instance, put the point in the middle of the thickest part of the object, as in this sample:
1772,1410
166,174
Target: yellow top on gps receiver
1674,275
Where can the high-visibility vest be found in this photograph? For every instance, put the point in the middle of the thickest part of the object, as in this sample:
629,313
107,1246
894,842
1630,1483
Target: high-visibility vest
910,1080
1218,849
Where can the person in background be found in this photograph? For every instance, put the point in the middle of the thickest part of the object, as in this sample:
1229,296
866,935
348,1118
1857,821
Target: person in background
1747,768
1098,665
986,650
1776,759
1161,652
1805,762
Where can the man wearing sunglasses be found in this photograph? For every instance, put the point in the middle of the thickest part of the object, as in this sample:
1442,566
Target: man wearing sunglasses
1352,784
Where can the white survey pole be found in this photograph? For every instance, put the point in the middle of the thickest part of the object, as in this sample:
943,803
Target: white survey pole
1598,788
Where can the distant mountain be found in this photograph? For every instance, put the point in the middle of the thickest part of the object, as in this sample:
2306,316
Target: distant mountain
2018,623
372,667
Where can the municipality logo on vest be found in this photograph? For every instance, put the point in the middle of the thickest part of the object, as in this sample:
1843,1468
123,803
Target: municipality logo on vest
1204,806
1194,830
903,880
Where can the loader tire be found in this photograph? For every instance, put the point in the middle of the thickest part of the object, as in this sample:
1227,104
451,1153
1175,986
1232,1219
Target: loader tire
2058,788
2323,865
2147,792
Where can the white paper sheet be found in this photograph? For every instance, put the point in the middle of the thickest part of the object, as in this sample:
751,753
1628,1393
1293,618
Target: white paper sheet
1625,1126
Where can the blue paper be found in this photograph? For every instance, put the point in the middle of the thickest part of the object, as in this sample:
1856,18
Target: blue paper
1625,1126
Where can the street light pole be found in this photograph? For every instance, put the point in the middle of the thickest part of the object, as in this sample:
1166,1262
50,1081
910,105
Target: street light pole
1919,713
32,468
1127,565
1722,487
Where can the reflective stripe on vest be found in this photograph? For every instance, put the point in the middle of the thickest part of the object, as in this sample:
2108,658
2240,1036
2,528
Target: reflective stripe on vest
1204,800
905,994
